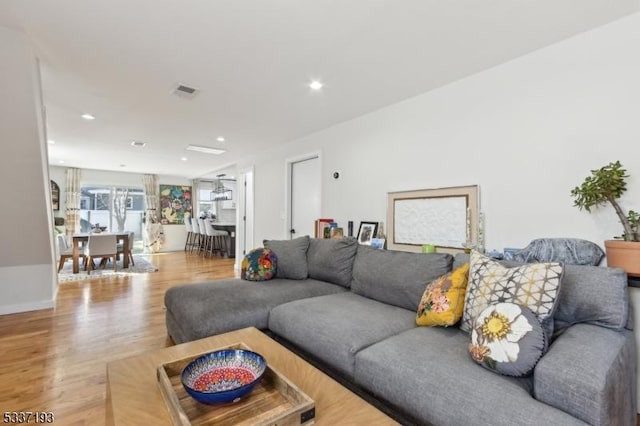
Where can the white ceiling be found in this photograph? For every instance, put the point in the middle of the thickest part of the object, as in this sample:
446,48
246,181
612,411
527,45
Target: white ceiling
252,61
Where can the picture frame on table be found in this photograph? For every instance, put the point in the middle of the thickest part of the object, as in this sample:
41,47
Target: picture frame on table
367,232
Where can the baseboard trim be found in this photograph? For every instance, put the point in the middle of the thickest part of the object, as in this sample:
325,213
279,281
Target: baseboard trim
26,307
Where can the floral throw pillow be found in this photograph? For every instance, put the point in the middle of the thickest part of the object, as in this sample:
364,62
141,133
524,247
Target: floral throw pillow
443,299
534,285
508,339
259,265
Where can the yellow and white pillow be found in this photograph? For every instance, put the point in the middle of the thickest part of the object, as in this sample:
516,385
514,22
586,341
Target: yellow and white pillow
443,299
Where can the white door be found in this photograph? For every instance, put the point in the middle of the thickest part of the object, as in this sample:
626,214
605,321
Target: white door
305,196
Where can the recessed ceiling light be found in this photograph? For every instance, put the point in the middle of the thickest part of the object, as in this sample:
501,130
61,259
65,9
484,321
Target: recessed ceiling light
315,85
88,117
184,158
138,144
51,142
220,139
205,149
61,161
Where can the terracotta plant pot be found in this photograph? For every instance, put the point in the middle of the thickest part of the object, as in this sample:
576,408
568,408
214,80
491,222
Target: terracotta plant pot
625,255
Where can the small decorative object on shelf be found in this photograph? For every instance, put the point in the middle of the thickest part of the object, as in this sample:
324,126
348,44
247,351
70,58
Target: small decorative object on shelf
320,226
336,233
367,232
480,246
467,247
428,248
378,243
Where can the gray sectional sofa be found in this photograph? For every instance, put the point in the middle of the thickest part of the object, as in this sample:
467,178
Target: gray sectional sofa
354,309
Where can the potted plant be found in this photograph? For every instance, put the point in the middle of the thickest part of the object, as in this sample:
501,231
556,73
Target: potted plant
606,185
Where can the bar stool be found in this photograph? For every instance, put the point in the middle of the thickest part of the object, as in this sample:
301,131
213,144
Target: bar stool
216,237
195,242
189,228
222,240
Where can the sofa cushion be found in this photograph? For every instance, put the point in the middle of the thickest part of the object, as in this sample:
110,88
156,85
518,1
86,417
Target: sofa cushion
395,277
428,372
535,285
335,327
593,295
508,339
195,311
292,257
259,265
443,299
332,259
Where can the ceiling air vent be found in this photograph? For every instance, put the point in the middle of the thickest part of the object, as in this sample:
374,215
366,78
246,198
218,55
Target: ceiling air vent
185,91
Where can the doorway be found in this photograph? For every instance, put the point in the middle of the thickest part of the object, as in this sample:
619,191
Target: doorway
304,195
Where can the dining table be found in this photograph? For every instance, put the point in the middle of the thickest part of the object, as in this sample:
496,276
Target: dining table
80,238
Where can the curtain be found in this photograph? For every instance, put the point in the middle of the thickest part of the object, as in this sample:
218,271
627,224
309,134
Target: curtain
153,234
195,196
72,212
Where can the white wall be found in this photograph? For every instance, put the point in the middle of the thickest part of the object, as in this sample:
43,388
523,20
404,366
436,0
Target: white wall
527,132
27,272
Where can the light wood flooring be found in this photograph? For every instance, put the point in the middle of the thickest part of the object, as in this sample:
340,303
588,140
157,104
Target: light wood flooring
55,360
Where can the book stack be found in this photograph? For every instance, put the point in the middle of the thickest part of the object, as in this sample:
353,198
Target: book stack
327,228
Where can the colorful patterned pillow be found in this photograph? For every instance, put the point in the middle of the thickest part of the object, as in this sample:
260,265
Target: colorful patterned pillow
443,299
508,339
259,265
534,285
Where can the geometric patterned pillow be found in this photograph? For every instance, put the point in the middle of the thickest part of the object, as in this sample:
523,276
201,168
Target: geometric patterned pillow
507,339
259,265
534,285
443,299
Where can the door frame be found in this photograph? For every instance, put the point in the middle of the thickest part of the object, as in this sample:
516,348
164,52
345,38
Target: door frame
289,187
241,211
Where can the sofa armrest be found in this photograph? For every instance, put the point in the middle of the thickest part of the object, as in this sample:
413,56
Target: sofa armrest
590,373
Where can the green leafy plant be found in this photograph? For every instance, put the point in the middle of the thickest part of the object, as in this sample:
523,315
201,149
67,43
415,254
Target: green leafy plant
606,185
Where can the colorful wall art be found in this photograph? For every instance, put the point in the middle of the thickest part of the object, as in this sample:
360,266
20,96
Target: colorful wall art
175,201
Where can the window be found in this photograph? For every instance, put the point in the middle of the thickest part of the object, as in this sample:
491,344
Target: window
116,208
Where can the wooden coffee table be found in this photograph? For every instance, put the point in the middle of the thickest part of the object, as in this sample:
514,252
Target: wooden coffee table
133,394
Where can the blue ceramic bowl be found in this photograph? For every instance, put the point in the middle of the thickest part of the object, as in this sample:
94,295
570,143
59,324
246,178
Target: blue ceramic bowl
223,376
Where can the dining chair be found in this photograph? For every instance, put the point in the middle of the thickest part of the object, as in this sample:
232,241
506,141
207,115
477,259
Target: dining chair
128,251
132,236
65,251
104,246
